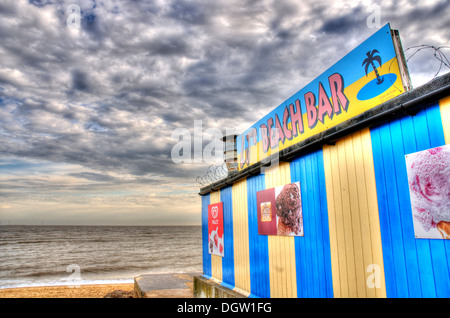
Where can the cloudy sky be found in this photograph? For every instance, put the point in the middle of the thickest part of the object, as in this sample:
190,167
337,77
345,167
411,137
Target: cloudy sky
87,114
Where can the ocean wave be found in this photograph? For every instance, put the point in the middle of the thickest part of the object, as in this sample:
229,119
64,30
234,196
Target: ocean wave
33,242
41,255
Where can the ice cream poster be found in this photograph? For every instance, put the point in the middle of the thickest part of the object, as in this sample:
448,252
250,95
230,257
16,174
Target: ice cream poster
280,211
215,228
429,188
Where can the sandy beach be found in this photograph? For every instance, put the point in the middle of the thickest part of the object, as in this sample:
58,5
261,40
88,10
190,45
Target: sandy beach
81,291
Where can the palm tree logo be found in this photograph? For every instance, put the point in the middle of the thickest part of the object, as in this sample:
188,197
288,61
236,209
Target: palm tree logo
371,58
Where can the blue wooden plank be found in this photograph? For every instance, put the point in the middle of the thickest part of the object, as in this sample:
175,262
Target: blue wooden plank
316,250
399,142
298,173
206,256
311,178
423,245
385,226
228,277
305,256
324,239
313,257
394,213
258,244
311,187
434,122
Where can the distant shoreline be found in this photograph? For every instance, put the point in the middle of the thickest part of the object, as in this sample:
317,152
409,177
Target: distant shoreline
82,291
72,284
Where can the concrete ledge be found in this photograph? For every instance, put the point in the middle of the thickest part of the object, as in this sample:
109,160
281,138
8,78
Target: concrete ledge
174,285
207,288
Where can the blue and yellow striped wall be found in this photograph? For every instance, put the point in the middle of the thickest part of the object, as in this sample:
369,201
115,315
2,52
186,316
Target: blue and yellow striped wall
358,233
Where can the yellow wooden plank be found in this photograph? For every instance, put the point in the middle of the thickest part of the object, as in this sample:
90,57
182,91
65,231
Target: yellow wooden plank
347,219
273,244
372,201
355,215
444,105
216,260
243,230
340,224
274,267
366,239
328,167
283,279
288,245
292,288
355,237
240,232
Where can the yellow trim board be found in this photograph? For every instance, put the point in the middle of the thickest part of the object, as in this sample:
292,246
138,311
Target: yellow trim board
444,105
283,278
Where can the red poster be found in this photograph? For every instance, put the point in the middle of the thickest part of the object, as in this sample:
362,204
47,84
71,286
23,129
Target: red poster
215,228
280,211
267,218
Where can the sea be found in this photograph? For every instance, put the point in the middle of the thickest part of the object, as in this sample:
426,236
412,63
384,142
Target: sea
77,255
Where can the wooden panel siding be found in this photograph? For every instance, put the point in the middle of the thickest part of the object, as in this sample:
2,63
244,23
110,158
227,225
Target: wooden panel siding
355,239
240,230
282,269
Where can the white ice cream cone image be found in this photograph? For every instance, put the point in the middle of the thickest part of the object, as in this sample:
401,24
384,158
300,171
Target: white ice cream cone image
444,228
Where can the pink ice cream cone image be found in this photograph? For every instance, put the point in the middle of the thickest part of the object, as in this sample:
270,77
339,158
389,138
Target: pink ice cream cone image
429,185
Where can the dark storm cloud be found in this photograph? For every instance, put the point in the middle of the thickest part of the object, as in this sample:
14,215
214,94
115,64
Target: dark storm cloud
40,3
172,45
189,12
432,12
80,81
351,21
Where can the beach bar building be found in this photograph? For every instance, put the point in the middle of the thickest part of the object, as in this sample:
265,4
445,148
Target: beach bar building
343,190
